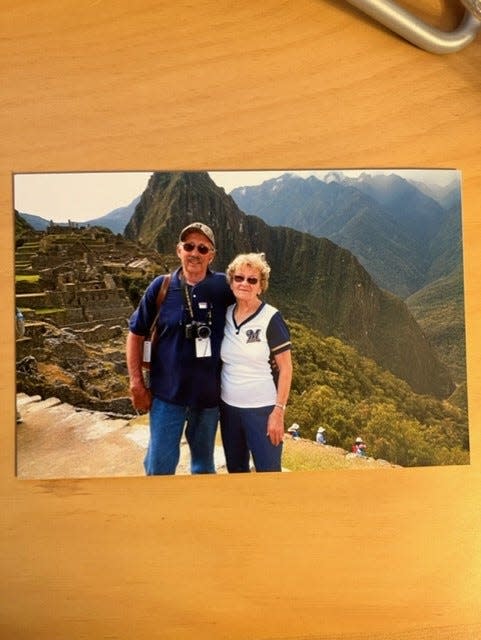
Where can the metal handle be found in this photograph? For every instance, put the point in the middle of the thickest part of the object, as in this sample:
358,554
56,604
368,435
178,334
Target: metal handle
418,32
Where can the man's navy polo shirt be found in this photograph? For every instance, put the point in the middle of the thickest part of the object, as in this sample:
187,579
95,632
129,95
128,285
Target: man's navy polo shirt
176,374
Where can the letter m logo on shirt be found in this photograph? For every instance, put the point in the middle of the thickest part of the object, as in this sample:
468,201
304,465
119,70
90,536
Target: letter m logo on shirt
253,335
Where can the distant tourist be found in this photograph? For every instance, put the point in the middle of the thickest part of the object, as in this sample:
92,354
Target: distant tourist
294,431
19,333
256,371
359,447
19,324
320,437
184,379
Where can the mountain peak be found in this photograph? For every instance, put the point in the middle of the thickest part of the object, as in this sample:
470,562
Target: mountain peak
334,176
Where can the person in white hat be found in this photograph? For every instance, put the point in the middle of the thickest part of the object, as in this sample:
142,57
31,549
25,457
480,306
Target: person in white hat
359,447
320,437
294,431
184,377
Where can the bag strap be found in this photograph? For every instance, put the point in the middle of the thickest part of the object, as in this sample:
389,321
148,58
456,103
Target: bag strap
160,299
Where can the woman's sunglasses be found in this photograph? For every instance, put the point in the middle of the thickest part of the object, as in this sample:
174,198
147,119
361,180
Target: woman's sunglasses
250,279
203,249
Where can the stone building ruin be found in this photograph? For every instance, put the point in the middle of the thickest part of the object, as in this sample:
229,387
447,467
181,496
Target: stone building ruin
73,276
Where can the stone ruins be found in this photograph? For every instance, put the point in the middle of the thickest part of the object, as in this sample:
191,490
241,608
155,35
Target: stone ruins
69,285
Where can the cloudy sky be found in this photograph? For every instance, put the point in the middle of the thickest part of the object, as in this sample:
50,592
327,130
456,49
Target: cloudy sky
83,196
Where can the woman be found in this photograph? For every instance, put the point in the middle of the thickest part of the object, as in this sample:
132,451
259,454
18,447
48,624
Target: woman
256,370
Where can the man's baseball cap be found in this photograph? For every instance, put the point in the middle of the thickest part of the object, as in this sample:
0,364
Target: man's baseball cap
198,226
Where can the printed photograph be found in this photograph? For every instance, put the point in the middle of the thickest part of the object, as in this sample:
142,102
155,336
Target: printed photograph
182,323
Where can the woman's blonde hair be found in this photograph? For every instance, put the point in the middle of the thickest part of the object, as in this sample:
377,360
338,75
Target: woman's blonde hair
254,261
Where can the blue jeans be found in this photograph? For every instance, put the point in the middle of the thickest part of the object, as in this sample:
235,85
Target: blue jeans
166,426
244,431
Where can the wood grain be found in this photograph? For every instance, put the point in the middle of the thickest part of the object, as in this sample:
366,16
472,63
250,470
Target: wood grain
391,554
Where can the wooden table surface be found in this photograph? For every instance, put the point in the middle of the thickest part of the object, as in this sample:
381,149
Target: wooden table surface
103,85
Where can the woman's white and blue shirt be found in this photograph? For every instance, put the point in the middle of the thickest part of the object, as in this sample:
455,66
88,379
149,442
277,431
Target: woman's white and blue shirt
248,378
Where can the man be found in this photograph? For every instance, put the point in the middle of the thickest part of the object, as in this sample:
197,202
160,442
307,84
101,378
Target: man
185,360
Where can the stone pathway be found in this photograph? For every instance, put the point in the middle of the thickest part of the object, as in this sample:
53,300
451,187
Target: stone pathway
57,440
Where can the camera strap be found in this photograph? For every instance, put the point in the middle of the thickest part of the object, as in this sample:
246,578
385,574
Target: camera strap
202,344
188,300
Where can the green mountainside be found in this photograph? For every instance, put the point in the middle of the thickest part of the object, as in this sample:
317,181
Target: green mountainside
349,395
439,310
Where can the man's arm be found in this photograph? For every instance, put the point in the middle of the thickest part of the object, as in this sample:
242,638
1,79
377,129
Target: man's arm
141,396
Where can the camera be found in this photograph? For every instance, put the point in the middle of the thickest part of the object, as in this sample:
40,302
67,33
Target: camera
197,330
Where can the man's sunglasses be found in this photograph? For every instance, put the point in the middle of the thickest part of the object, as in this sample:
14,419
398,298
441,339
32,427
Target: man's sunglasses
203,249
250,279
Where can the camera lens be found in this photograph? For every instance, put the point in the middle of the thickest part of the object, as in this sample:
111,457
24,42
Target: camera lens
203,331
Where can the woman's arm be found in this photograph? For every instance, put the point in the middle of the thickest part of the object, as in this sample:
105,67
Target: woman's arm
275,423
